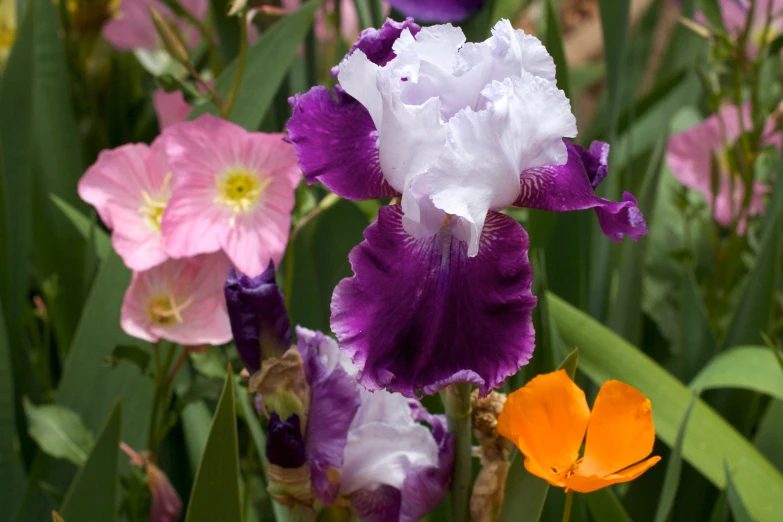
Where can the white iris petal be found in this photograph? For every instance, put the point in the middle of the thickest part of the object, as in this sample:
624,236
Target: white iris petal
458,122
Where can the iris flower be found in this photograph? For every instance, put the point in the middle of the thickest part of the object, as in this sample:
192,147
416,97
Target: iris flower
381,452
547,419
441,291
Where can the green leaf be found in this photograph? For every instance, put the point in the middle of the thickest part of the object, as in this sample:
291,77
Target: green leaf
605,506
767,437
697,340
267,63
320,261
570,363
626,314
754,311
710,440
12,475
711,11
86,228
525,493
738,508
749,367
132,354
56,166
96,337
672,480
614,22
59,432
554,44
215,493
93,493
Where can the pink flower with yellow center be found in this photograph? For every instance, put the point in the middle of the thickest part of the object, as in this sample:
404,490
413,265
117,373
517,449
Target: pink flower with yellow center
180,301
232,190
130,186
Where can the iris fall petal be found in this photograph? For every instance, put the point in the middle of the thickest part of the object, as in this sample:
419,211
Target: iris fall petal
444,317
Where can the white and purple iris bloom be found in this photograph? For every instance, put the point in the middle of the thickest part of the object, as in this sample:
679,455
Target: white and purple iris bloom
442,285
382,452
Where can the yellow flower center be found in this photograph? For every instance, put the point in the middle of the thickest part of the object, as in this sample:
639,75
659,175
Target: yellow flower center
165,311
153,206
240,189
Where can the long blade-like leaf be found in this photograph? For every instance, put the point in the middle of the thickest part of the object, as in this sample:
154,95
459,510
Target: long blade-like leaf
267,63
92,495
215,494
748,367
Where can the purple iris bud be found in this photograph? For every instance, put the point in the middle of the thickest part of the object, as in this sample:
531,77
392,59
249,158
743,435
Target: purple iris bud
258,316
437,10
284,445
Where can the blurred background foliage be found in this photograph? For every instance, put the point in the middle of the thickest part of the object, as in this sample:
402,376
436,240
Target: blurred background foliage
691,315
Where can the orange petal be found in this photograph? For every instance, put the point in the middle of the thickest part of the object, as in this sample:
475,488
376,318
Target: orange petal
586,484
556,479
620,432
547,419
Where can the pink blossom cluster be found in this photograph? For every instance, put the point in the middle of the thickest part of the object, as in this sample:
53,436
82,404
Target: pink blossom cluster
204,195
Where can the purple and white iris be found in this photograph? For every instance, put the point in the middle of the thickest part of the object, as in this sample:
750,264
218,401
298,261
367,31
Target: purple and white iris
441,291
382,452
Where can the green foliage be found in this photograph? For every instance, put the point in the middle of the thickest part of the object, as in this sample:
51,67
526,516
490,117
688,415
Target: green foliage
59,432
215,494
748,367
92,495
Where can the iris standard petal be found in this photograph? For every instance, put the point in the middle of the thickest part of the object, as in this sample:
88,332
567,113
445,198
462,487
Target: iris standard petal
590,483
377,44
561,188
547,420
336,143
420,314
620,432
437,10
333,405
259,320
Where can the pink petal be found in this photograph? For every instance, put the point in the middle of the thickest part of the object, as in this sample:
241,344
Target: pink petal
196,286
170,107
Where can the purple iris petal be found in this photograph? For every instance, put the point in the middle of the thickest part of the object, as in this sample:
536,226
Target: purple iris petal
259,321
334,402
420,314
567,187
377,504
336,143
437,10
377,44
284,445
426,486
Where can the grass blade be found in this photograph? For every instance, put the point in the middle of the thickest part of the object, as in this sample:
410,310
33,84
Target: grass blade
215,494
749,367
605,506
672,480
93,493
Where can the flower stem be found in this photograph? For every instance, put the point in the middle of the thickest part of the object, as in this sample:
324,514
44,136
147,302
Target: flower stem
456,399
567,509
225,110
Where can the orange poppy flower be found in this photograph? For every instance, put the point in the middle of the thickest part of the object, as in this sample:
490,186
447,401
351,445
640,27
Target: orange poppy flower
547,420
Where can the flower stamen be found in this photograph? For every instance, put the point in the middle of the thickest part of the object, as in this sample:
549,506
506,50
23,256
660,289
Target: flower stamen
240,189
